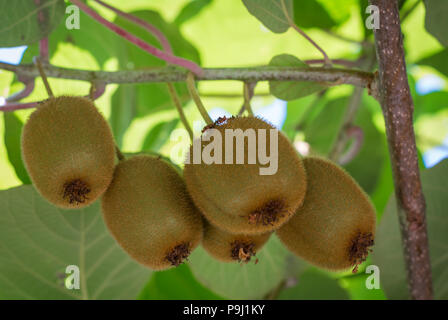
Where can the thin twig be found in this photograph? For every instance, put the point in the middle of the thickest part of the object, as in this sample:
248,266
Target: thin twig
190,65
25,92
295,27
178,105
342,138
174,74
398,107
142,23
357,135
38,64
248,93
342,62
119,154
197,99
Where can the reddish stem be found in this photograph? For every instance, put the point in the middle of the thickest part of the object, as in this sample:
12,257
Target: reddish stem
149,27
190,65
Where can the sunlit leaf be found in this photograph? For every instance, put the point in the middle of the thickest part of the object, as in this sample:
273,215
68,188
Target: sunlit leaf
158,135
123,110
190,10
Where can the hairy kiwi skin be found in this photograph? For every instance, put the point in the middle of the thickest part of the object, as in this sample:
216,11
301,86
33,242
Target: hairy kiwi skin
233,196
222,245
69,151
149,212
335,227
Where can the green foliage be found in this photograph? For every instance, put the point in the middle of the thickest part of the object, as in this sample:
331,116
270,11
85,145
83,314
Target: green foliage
270,13
176,284
123,110
388,252
314,284
158,135
311,14
154,96
246,281
38,241
13,131
435,20
322,132
291,90
21,24
438,61
190,10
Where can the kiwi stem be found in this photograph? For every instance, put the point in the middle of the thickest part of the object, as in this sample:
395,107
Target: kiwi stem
176,101
188,64
120,155
327,60
38,64
197,99
249,88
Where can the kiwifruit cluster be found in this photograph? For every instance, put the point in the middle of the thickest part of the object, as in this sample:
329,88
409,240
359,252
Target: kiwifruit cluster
317,210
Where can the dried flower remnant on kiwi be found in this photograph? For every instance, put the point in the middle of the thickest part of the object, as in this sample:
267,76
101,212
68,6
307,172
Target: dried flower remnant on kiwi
76,191
178,254
360,248
218,122
242,251
267,214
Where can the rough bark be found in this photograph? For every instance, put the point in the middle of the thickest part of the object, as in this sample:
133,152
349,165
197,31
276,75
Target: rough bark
397,106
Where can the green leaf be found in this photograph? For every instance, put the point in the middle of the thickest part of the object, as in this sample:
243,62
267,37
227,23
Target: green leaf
438,61
291,90
314,284
159,134
13,132
247,281
99,41
123,110
388,252
270,13
311,14
176,284
355,286
435,19
322,132
190,10
21,24
38,241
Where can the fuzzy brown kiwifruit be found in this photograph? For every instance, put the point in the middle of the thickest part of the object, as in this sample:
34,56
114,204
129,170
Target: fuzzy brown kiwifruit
236,197
335,227
69,151
150,214
228,247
